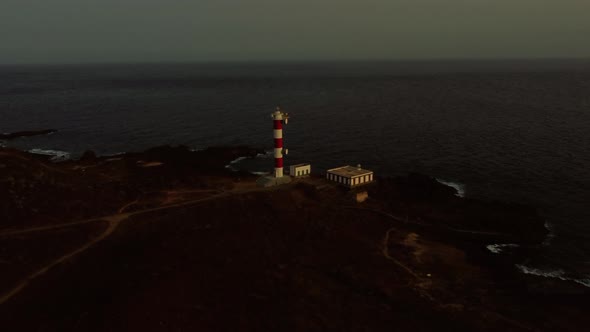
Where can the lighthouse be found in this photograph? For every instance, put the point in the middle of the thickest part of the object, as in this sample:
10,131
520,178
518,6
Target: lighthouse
276,178
278,118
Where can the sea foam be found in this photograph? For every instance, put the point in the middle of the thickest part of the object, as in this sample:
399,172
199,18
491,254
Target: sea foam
237,160
550,234
233,162
557,274
458,186
266,154
498,248
260,173
55,154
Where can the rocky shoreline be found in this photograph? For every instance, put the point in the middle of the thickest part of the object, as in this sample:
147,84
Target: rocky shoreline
28,133
414,243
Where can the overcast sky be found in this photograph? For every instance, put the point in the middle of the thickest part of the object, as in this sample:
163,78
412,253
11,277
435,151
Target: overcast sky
73,31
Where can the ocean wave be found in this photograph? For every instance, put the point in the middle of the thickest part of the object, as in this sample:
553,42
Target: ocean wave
556,274
498,248
260,173
233,162
237,160
458,186
56,155
550,235
266,154
115,154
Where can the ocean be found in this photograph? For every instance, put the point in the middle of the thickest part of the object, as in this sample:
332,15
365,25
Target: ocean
498,130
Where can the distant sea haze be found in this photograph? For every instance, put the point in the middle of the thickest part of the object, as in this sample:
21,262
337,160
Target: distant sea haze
507,130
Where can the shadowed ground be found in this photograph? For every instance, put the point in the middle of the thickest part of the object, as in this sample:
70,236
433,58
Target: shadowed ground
181,246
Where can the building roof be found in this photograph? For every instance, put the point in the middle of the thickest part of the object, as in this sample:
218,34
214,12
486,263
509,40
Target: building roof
349,171
299,165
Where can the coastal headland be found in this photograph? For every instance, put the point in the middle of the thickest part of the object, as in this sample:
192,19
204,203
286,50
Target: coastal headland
170,239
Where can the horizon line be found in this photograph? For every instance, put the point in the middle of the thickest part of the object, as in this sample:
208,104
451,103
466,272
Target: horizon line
300,61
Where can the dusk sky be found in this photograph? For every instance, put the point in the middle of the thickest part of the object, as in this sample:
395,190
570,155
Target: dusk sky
73,31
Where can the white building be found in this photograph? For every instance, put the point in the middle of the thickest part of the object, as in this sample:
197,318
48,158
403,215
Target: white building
350,176
300,170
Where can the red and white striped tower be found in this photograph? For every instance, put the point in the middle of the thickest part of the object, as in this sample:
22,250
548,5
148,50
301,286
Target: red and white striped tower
278,117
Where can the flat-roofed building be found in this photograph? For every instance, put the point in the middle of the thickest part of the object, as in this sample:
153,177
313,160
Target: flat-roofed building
299,170
350,176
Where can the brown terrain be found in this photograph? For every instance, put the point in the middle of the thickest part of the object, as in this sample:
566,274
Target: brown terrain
170,240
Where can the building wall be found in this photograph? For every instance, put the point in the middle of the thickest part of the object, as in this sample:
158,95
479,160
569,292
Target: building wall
300,170
361,196
350,182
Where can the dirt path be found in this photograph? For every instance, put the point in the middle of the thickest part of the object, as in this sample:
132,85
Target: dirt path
385,252
95,219
422,285
48,228
124,207
113,223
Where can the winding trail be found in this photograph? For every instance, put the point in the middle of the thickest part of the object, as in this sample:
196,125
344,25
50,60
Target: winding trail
95,219
113,223
385,242
385,252
423,284
48,228
124,207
